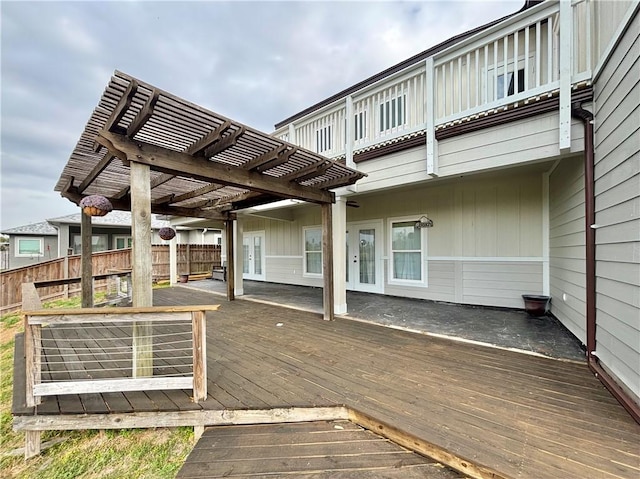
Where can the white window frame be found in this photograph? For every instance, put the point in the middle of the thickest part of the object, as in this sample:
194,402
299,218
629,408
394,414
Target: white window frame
79,244
389,116
423,282
29,255
360,119
324,138
304,252
489,89
125,238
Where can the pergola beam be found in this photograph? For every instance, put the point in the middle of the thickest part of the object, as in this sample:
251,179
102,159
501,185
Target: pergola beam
95,172
199,146
143,115
258,161
173,198
122,106
177,163
224,144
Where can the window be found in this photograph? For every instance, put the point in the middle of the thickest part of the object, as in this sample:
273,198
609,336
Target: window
360,125
98,243
313,251
406,252
510,83
29,247
122,242
323,139
392,113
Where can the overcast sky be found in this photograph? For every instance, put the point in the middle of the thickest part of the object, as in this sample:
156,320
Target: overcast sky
255,62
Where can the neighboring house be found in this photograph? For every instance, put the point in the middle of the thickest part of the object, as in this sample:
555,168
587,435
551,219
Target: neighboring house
31,244
58,237
475,152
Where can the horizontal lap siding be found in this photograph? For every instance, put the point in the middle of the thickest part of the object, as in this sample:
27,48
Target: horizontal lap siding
441,277
617,175
500,284
531,139
567,245
396,169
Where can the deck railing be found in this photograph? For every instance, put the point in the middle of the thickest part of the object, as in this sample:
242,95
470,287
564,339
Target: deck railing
95,350
536,53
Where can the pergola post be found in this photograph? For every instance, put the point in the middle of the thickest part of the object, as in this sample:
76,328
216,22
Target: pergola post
86,261
340,255
141,268
237,256
173,260
327,262
228,231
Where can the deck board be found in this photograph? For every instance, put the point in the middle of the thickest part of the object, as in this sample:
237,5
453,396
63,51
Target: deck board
313,450
522,415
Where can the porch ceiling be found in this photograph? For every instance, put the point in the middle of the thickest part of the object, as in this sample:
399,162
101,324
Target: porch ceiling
203,165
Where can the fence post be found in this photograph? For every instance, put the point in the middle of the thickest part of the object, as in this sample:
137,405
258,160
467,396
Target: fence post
199,331
33,365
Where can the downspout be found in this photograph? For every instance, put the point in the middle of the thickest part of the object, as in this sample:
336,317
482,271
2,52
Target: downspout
590,237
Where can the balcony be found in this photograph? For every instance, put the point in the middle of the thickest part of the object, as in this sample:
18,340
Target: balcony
516,62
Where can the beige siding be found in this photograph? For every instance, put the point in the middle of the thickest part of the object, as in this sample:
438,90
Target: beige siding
617,173
485,246
567,245
530,139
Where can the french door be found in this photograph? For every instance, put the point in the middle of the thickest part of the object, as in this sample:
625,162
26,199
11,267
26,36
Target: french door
364,257
253,255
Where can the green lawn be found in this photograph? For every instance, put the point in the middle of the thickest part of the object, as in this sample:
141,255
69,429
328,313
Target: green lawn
139,453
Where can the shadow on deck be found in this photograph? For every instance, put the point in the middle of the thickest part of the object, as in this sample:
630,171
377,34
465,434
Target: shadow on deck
486,411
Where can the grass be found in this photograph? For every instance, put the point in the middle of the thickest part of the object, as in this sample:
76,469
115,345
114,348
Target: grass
138,453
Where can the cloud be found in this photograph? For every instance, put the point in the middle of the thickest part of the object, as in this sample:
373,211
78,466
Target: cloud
255,62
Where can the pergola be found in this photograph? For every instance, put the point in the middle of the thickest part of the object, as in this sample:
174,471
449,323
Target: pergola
149,151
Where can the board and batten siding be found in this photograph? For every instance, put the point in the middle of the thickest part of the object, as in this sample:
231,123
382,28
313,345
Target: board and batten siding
567,254
530,139
485,247
617,190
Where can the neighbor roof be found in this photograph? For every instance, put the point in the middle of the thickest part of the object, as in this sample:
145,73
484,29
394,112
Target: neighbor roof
202,164
42,228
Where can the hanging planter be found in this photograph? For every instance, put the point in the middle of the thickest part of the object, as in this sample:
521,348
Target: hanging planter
167,233
95,205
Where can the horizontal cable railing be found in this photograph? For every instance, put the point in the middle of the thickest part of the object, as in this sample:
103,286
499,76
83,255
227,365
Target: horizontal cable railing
92,350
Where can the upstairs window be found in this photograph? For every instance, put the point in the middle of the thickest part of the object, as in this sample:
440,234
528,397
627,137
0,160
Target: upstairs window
511,84
360,125
393,113
323,139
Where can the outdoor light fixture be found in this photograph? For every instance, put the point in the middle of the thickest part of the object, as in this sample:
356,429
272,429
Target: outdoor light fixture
424,222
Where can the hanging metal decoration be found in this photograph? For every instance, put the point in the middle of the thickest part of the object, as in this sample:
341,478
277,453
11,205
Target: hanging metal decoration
167,233
424,222
95,205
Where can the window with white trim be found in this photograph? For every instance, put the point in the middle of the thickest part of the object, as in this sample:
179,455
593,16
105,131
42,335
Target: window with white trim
407,253
511,84
29,247
323,139
359,132
312,251
98,243
393,113
122,242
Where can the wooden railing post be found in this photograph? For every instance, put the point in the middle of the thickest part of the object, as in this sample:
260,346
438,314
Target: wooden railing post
199,330
33,364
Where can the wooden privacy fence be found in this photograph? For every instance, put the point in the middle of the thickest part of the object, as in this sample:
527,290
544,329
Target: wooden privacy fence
93,350
191,259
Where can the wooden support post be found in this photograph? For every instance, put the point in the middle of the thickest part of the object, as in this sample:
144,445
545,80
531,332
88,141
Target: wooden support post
86,261
231,278
31,443
199,329
32,343
339,217
65,275
141,268
33,364
327,262
198,431
173,260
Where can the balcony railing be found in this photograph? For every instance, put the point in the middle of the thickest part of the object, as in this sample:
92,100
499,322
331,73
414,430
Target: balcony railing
518,60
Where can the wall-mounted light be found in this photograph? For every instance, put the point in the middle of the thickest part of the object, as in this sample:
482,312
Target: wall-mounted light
424,222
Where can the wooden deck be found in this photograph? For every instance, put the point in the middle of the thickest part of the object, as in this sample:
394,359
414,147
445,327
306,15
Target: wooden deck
308,450
513,414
